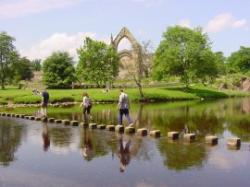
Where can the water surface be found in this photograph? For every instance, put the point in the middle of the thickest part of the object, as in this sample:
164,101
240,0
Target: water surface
39,154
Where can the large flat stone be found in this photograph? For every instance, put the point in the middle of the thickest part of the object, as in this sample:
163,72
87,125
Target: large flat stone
101,127
142,132
190,137
110,127
51,120
130,130
92,125
212,140
119,128
174,135
74,123
155,133
233,143
66,122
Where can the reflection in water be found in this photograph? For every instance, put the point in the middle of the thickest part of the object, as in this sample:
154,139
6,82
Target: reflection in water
124,152
181,157
87,149
60,137
153,160
10,138
46,137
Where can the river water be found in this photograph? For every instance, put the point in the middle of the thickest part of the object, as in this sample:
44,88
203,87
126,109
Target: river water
42,154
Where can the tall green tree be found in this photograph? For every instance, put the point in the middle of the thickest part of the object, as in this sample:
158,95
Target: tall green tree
98,62
8,55
58,70
21,70
186,53
239,61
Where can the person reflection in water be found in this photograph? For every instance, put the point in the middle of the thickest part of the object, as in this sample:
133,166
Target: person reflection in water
124,153
46,137
87,150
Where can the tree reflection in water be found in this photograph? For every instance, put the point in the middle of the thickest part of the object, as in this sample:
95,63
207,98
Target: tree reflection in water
10,138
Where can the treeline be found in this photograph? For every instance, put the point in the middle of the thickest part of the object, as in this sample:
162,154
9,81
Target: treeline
183,52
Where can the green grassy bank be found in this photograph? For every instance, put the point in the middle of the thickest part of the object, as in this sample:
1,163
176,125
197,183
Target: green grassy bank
151,94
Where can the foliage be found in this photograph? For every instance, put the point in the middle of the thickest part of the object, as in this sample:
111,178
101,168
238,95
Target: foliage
21,70
36,65
186,53
98,62
239,61
8,55
58,70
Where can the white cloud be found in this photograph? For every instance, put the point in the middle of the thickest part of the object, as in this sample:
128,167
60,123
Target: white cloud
16,8
57,42
224,21
185,23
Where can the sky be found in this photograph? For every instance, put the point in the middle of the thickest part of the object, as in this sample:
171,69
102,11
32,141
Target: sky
43,26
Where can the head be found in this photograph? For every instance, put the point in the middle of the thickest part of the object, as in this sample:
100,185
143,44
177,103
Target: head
121,90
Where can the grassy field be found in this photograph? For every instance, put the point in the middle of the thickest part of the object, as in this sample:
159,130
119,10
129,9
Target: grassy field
12,95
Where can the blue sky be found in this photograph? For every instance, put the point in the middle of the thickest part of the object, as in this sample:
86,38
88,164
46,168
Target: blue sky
43,26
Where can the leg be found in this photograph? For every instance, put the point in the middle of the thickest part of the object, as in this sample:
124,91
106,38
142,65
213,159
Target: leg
120,116
127,116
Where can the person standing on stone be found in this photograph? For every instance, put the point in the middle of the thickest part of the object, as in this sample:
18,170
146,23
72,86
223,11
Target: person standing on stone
87,105
45,101
123,106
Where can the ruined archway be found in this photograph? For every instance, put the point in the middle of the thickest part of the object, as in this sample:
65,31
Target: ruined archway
129,59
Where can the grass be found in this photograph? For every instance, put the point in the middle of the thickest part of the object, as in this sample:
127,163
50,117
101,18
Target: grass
152,94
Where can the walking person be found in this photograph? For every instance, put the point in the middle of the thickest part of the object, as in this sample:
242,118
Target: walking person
87,105
123,106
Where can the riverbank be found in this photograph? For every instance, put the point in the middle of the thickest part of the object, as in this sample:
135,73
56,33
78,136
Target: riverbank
161,94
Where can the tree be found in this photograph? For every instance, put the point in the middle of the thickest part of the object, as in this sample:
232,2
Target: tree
36,65
98,62
58,70
8,55
21,70
186,53
239,61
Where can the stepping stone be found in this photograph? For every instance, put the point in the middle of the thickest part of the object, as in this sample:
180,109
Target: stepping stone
212,140
66,122
119,128
233,143
173,135
142,132
17,115
32,117
110,127
58,121
8,115
155,133
22,115
27,117
3,114
51,120
13,115
44,119
189,137
84,125
92,125
38,119
74,123
101,126
130,130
